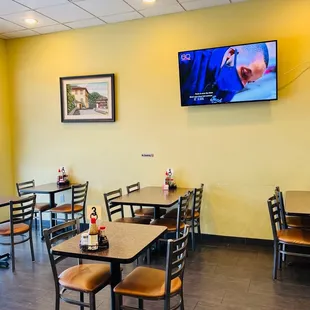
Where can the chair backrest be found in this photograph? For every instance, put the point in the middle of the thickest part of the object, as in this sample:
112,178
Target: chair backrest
275,216
197,201
280,200
112,209
61,232
24,185
175,261
130,189
21,211
79,195
183,206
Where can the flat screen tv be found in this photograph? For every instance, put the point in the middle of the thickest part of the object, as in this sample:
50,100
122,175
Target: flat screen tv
229,74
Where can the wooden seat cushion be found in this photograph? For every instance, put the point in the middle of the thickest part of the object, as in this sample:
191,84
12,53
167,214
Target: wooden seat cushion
41,207
66,208
148,212
294,236
20,228
147,283
174,212
134,220
298,222
85,277
171,224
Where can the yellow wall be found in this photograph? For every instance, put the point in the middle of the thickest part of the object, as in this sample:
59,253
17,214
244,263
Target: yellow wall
239,151
6,172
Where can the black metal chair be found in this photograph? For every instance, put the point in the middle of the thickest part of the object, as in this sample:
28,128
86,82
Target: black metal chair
119,209
176,225
289,221
83,278
146,283
284,237
21,217
192,214
142,211
77,205
39,207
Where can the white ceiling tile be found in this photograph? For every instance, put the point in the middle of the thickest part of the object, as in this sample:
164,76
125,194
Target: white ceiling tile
161,10
105,7
200,4
85,23
36,4
21,34
9,7
65,13
140,5
19,18
50,29
6,26
121,17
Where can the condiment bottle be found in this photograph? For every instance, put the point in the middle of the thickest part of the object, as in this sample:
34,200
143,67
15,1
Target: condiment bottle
103,240
84,242
93,235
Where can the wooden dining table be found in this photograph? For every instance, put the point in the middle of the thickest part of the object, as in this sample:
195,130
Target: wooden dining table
297,203
4,202
126,243
152,196
47,189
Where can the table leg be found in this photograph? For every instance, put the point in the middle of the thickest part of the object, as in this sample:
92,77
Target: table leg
116,277
4,260
52,205
156,213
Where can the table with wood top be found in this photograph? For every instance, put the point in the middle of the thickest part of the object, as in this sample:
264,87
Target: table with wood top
152,196
4,202
126,243
297,203
48,189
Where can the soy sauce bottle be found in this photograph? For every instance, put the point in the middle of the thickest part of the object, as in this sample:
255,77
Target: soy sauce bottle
103,240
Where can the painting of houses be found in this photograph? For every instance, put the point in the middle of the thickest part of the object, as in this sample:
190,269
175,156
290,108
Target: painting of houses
89,98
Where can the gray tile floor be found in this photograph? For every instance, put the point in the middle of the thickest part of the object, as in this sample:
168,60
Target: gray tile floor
223,277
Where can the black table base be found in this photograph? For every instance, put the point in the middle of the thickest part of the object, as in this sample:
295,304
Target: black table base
4,260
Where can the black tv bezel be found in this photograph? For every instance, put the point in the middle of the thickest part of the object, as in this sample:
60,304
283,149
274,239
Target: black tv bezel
229,102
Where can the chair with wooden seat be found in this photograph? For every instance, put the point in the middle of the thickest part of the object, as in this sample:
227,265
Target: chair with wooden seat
119,209
143,211
192,214
20,224
83,278
289,221
283,236
77,205
146,283
176,225
39,207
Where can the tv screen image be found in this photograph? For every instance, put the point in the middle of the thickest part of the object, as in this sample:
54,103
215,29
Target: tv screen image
239,73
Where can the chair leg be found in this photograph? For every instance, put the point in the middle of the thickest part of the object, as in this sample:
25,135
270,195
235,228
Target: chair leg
193,235
81,300
92,301
12,253
275,261
41,224
167,302
283,255
198,227
148,255
51,219
36,221
31,246
140,302
182,300
57,300
66,217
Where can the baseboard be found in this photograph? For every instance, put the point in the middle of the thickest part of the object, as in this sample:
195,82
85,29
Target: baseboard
215,239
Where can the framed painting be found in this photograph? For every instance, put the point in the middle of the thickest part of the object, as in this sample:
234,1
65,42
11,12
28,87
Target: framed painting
88,98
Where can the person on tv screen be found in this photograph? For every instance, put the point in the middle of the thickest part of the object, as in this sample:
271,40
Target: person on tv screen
217,75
